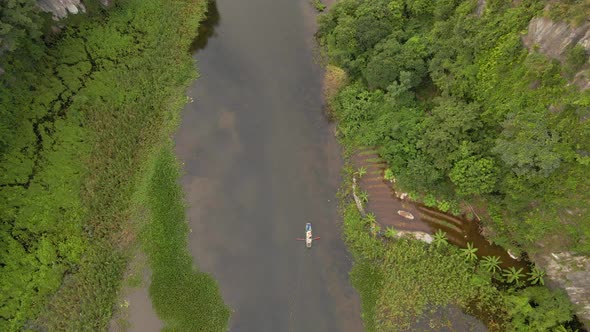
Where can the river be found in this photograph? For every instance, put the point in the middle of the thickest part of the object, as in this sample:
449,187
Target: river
260,161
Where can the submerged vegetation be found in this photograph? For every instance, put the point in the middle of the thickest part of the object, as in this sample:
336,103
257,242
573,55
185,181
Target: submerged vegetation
82,112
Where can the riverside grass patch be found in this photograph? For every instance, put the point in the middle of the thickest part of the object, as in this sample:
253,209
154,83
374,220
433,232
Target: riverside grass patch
184,298
80,114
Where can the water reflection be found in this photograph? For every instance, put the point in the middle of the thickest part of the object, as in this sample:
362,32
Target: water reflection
207,27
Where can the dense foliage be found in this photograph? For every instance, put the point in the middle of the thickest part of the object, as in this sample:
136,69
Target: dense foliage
461,111
404,281
20,22
79,117
185,299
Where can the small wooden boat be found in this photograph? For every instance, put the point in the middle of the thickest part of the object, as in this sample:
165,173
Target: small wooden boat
405,214
308,236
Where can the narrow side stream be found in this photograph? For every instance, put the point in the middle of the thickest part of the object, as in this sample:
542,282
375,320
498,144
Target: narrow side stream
385,205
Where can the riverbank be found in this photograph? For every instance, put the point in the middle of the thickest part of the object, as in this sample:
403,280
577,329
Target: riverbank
85,113
408,282
184,298
459,121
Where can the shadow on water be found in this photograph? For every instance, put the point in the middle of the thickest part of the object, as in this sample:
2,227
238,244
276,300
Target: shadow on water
206,28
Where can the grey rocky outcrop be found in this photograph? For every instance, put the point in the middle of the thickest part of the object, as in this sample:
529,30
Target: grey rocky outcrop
555,38
61,8
572,273
481,7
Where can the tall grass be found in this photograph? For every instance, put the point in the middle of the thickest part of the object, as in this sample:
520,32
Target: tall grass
184,298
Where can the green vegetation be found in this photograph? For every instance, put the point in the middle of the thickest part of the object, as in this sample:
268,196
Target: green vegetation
469,253
576,57
461,112
388,175
361,171
464,116
491,263
401,280
440,238
81,114
20,23
538,309
574,12
512,274
536,276
185,299
318,5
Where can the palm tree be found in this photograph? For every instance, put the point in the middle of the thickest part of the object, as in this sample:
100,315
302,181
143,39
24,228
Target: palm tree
363,196
440,238
491,263
536,276
513,275
370,218
390,233
469,252
361,171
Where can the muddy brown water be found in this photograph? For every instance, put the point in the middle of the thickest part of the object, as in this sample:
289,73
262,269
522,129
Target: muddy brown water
384,203
260,161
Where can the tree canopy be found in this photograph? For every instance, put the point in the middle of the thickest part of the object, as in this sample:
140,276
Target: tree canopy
461,110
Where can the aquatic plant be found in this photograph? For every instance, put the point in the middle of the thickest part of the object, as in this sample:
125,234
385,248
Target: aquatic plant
440,238
512,274
390,232
470,252
363,196
491,263
536,275
361,171
388,175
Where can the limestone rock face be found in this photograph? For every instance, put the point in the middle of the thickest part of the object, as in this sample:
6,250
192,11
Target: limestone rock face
61,8
571,273
481,6
425,237
554,38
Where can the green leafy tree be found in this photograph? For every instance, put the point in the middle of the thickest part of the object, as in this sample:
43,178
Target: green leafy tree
449,132
538,309
576,57
528,146
19,22
363,196
388,175
370,218
474,176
